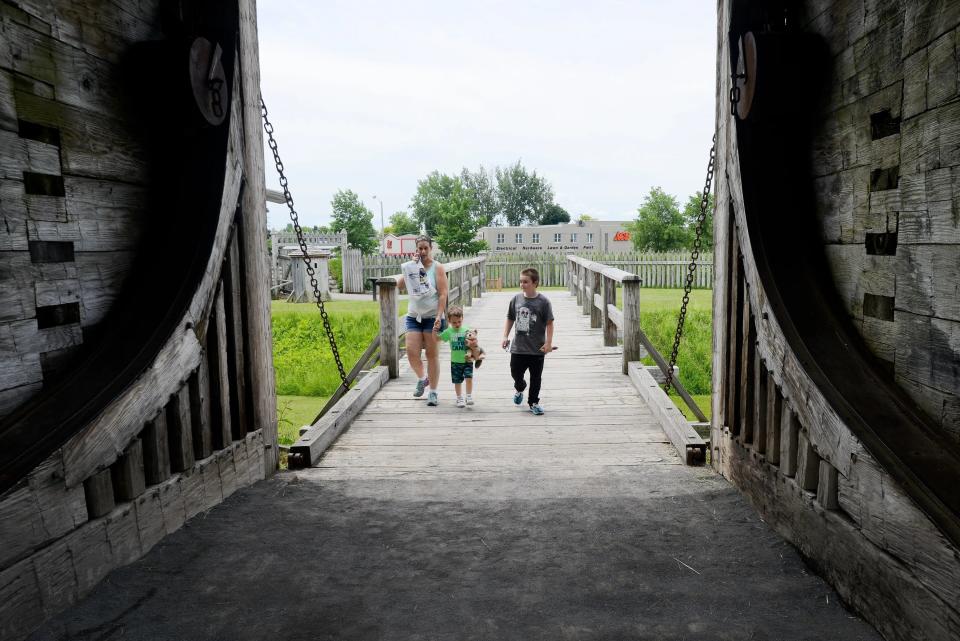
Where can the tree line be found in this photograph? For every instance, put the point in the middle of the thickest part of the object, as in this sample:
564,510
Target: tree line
453,208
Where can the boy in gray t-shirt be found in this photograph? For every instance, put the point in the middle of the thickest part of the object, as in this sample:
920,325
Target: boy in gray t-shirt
531,316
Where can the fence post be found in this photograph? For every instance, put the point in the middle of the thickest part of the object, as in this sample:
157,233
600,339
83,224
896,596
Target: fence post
596,315
466,281
389,342
587,302
609,298
631,321
568,267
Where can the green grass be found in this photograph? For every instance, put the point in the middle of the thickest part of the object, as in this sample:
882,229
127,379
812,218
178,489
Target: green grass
293,412
307,375
335,307
702,401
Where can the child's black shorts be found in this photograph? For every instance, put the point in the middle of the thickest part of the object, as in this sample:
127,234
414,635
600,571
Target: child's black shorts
460,371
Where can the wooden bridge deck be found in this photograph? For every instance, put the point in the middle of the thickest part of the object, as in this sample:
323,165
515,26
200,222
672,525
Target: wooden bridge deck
480,523
594,417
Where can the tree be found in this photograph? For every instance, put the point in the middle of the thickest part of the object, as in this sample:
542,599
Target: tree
457,226
585,218
554,215
352,216
402,223
659,225
431,192
523,196
691,212
479,187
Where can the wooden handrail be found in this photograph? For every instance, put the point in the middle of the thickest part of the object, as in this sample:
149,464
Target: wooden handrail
597,294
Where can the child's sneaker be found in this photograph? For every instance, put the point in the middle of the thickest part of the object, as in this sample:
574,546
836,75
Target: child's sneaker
432,399
421,385
518,398
469,399
536,410
461,402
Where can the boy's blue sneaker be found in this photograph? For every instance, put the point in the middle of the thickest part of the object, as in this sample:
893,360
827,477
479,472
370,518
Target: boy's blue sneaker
432,399
421,385
536,410
518,398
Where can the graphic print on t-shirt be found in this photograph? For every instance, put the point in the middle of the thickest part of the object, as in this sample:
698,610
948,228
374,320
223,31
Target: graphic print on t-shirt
525,319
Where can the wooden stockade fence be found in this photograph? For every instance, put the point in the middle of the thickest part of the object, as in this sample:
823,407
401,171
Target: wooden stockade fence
665,270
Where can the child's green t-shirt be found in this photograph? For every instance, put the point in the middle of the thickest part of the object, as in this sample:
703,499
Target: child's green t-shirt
458,342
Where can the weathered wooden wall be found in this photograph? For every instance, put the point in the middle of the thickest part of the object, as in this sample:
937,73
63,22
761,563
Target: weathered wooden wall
883,165
199,422
888,195
72,181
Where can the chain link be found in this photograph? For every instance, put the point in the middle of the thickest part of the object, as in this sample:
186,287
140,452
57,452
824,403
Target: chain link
268,127
691,268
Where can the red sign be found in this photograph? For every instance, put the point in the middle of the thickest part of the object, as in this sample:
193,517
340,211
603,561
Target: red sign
622,235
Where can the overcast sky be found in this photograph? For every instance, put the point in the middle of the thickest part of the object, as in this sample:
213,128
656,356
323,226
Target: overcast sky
604,99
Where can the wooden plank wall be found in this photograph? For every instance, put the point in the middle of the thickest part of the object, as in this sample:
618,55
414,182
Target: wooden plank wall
887,190
71,183
196,426
666,270
882,164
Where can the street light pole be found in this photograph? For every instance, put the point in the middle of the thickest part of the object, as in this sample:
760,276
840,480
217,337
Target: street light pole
382,228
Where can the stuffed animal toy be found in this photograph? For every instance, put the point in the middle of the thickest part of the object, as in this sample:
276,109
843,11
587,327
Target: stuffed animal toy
475,353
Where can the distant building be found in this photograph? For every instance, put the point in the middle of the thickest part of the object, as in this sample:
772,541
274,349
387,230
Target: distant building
393,245
587,236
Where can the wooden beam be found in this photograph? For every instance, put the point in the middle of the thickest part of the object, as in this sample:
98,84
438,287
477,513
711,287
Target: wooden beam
311,445
98,490
631,324
389,344
774,412
689,445
608,300
179,435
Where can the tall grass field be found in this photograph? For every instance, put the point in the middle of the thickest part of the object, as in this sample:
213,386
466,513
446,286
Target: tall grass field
306,372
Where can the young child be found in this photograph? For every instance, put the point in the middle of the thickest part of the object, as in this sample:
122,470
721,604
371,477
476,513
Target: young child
460,369
531,316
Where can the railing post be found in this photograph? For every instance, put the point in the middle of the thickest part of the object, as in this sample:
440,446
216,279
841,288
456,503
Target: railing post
483,276
609,298
586,302
467,281
579,289
389,342
631,322
596,315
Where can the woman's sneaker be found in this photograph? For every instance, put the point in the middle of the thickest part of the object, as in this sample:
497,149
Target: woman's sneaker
536,410
421,385
518,398
432,399
469,399
461,402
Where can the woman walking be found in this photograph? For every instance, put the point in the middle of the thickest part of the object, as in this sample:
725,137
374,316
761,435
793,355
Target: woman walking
426,282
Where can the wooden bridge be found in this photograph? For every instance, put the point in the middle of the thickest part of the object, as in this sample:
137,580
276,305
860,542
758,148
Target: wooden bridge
481,522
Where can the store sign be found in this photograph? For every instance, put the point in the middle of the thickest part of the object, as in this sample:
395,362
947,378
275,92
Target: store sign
622,235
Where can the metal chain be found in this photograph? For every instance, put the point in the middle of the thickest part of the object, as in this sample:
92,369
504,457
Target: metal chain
694,255
267,127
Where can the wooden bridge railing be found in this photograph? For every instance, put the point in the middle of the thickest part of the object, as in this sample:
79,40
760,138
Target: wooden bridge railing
595,286
465,279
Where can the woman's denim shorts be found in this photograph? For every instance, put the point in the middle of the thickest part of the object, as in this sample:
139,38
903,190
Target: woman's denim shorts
425,325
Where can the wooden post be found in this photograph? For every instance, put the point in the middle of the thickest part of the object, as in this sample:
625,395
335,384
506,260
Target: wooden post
483,275
808,464
760,403
179,432
609,298
156,451
586,303
577,289
263,414
466,282
827,486
389,343
128,478
774,414
219,374
789,438
631,322
596,315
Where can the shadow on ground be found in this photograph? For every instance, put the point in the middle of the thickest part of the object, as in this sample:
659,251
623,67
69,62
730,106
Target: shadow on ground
523,557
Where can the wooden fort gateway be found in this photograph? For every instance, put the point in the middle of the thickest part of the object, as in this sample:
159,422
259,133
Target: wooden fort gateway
136,385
